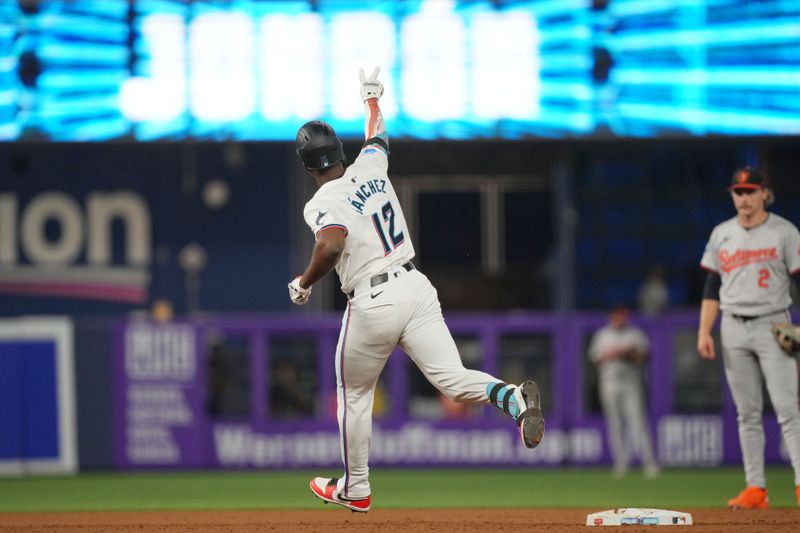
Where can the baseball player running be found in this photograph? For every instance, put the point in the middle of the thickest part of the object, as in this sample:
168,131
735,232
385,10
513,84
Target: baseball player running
361,232
751,260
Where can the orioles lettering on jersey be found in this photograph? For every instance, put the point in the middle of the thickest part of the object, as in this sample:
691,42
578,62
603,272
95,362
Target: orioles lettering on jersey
742,258
364,191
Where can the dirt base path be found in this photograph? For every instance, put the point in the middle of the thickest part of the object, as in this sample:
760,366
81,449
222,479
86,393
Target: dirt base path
378,520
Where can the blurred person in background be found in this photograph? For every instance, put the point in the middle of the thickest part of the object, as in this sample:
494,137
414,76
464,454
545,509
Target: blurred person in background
161,311
653,295
750,261
618,349
289,396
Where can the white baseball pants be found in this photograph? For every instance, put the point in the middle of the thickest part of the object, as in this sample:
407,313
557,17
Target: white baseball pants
404,311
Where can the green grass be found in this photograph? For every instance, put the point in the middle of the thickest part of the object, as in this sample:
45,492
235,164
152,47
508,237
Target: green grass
392,488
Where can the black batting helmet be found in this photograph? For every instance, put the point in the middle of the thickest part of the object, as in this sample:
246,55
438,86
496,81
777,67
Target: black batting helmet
318,146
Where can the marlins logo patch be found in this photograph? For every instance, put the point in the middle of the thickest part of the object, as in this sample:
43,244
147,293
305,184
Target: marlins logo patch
320,217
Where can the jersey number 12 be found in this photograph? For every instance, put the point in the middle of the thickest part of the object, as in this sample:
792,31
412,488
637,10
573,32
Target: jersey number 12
395,234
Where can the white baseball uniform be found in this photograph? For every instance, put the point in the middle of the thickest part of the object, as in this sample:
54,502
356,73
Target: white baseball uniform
390,303
755,266
622,397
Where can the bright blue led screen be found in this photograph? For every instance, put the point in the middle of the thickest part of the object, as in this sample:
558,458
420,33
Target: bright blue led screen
255,70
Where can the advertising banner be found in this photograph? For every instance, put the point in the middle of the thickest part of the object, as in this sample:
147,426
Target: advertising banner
164,418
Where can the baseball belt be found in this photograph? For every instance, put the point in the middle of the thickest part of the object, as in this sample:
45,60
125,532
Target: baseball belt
383,277
747,318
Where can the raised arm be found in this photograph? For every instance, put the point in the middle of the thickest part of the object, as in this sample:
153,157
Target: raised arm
371,91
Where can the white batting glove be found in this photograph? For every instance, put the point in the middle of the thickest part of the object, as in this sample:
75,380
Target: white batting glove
370,87
297,294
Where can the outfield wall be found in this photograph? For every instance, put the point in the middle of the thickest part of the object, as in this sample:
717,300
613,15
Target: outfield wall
260,392
37,396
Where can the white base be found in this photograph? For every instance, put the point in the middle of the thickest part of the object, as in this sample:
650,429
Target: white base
634,516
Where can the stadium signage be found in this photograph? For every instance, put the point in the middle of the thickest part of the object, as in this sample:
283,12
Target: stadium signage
53,246
166,408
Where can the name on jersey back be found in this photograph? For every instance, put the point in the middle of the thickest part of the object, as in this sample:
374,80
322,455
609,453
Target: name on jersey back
364,191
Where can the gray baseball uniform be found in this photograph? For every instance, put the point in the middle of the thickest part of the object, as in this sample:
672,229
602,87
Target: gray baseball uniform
622,397
755,266
390,303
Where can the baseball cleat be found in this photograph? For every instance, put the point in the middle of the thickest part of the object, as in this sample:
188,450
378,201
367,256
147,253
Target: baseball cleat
325,489
530,420
750,498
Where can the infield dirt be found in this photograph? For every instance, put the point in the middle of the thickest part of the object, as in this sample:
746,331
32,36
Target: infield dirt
378,520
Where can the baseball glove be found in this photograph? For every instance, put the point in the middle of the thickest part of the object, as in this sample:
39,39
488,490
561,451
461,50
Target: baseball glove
788,337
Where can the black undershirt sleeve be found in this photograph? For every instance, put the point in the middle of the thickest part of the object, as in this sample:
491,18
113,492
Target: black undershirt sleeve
796,278
377,140
713,284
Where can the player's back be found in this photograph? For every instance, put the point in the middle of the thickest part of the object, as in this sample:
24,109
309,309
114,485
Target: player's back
364,203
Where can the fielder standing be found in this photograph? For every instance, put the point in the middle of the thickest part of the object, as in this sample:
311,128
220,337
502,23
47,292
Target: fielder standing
751,260
361,232
618,349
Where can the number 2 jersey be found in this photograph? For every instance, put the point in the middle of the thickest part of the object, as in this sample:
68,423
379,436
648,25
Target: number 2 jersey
364,204
755,264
